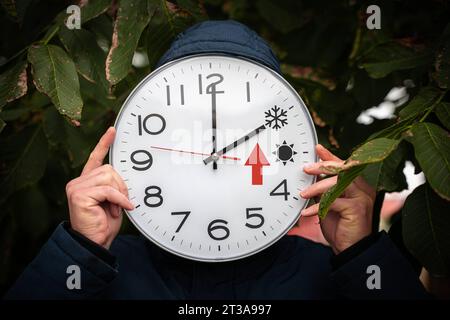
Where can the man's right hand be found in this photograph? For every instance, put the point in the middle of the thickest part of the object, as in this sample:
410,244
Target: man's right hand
97,196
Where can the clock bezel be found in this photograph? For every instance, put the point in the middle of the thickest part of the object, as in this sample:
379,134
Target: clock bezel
237,57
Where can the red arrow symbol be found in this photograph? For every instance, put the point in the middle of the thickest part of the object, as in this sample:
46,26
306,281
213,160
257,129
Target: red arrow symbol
257,160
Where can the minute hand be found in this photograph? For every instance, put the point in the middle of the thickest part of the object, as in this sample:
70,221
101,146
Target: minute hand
233,145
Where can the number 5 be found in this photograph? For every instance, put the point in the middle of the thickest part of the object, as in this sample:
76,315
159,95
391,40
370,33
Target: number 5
254,215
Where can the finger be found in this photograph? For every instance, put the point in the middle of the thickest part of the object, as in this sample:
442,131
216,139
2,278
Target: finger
339,205
321,186
105,193
104,175
365,187
325,154
122,186
311,210
318,188
99,179
323,167
331,161
100,151
115,210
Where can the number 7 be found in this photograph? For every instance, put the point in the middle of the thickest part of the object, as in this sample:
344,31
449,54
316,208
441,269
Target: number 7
186,215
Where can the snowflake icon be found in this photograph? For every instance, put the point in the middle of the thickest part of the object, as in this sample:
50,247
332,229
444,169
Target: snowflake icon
276,117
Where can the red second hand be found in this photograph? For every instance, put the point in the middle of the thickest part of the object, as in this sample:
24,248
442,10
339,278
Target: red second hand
194,153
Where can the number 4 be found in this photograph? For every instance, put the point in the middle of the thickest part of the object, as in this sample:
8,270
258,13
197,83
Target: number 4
284,193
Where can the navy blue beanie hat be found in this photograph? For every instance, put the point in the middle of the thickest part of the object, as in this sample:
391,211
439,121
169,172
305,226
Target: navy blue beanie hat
224,36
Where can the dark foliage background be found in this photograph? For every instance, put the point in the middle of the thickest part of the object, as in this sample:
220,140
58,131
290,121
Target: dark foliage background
60,89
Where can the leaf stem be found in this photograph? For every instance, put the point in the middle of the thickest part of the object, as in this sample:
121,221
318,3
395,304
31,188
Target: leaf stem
431,108
356,45
51,35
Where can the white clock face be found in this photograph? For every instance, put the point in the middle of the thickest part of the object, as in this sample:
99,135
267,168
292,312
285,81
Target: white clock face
211,148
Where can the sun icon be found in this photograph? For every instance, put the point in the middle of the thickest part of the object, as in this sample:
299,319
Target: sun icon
285,152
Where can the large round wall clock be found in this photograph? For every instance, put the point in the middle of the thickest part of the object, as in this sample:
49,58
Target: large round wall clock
211,148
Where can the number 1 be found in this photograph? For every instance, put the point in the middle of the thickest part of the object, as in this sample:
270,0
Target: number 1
181,95
247,84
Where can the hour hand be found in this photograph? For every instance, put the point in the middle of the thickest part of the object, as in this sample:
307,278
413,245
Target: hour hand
233,145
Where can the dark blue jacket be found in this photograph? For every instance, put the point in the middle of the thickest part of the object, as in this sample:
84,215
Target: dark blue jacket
134,268
293,268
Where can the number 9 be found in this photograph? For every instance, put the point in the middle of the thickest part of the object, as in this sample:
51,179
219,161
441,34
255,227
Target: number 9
143,163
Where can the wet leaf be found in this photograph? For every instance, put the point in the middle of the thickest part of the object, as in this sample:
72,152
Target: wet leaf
55,75
13,83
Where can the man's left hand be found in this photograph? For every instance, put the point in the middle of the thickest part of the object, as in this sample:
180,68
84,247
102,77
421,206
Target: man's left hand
350,216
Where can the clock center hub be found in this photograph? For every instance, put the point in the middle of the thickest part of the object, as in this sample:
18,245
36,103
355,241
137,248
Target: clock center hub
215,156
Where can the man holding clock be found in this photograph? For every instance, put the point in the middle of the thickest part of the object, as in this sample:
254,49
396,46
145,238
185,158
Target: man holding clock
251,258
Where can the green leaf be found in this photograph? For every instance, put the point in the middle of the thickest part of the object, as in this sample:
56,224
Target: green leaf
88,11
13,83
344,180
167,22
442,61
132,18
371,152
54,74
443,113
387,175
92,9
426,97
432,149
390,57
442,64
32,102
89,58
23,158
163,28
426,225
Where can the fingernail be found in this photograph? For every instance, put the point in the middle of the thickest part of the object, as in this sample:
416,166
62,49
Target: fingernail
307,166
304,194
304,212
